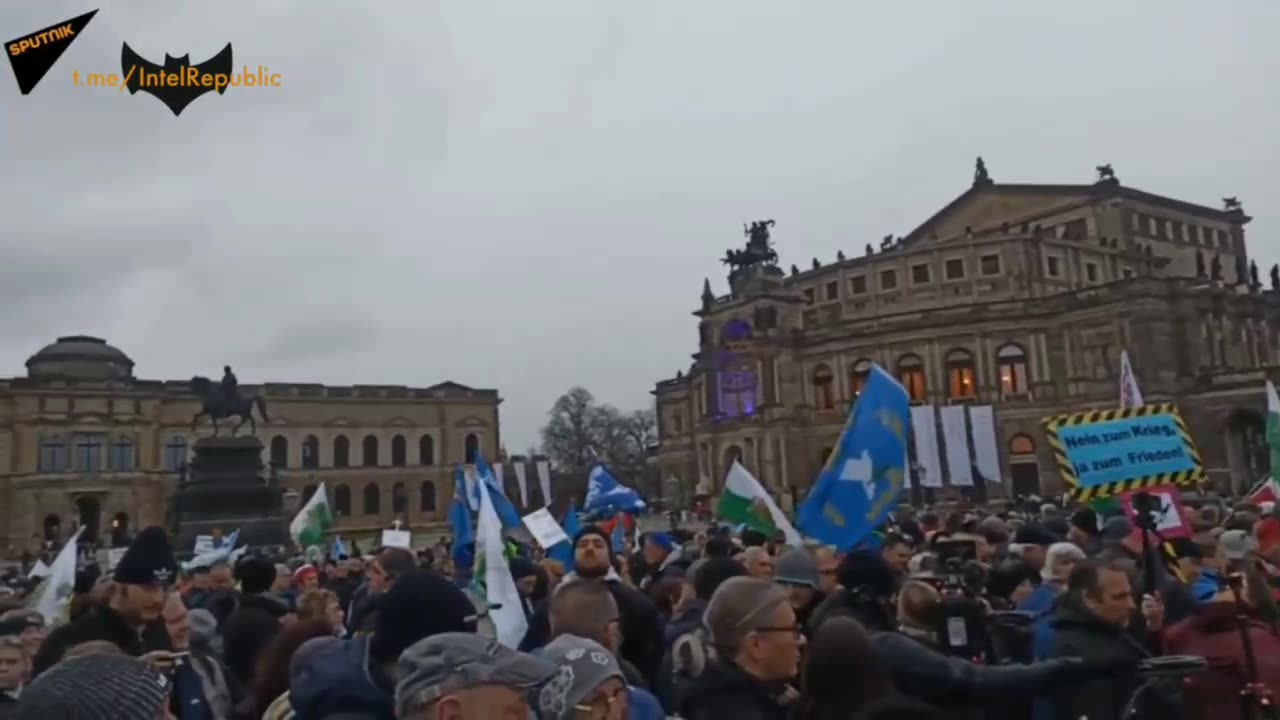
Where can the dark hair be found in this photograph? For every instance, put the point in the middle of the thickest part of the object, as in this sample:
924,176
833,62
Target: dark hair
1007,576
396,562
892,538
1086,576
665,594
827,688
718,546
271,672
712,573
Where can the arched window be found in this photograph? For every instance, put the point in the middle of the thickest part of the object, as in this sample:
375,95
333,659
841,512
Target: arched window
399,499
427,501
122,457
372,499
960,375
426,450
90,513
307,492
52,528
859,373
1011,361
911,375
370,451
1022,445
53,454
731,453
279,451
471,447
341,452
824,397
311,452
175,453
342,500
398,451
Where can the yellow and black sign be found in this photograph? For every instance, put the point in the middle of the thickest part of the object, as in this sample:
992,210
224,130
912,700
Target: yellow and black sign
1107,452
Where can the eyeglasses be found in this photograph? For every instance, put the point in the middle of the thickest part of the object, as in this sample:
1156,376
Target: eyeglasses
797,630
604,707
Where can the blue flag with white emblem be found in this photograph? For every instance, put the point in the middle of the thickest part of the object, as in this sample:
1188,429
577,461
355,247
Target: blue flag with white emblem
863,477
505,510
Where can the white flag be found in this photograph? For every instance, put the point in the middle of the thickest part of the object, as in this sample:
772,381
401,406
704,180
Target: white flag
544,480
522,482
1130,395
500,588
55,593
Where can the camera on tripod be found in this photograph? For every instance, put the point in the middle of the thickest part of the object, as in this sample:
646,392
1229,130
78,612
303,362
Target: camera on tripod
963,628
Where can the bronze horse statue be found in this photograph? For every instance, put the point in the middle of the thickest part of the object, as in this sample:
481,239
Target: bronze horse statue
217,405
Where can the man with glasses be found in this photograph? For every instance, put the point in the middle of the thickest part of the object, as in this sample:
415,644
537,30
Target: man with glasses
461,676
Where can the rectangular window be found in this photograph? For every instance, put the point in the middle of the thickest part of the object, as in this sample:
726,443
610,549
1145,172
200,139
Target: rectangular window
1052,267
1091,272
89,452
53,455
175,453
955,269
920,274
990,264
833,291
888,279
122,459
858,285
677,423
808,295
1126,273
1075,230
1223,242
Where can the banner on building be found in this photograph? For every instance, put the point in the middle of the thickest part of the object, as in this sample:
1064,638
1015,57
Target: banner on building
924,430
1107,452
955,438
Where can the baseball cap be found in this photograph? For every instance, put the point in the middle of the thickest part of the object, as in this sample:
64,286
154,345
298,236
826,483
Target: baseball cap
451,662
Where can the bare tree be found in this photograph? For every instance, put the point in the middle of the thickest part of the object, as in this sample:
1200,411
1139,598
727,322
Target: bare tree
568,438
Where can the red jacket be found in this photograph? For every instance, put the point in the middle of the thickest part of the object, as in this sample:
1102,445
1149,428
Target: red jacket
1213,633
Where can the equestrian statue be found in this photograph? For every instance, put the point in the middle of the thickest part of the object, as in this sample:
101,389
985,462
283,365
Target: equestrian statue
223,400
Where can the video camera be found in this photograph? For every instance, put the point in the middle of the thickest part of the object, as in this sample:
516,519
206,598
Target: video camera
963,630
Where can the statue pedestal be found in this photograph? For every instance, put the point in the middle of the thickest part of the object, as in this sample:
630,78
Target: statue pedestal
225,489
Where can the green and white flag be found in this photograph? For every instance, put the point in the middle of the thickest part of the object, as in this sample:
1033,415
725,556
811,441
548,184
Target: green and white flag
745,501
54,594
1273,428
312,521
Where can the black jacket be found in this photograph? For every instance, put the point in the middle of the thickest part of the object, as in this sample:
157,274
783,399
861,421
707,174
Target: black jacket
955,684
724,691
246,632
98,623
1077,632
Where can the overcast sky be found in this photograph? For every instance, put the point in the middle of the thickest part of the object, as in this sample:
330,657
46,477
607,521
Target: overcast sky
527,195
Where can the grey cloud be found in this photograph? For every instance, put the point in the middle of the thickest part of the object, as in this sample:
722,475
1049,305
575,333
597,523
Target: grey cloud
529,196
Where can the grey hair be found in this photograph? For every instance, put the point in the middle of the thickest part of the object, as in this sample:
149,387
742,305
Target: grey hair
740,606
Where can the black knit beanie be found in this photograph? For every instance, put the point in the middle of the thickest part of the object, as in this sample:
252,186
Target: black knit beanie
593,530
419,605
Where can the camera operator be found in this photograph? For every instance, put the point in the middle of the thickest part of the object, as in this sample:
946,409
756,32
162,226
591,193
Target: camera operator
959,687
1093,619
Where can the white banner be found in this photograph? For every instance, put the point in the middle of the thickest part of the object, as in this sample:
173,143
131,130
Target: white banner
986,453
544,481
924,428
544,528
956,445
522,483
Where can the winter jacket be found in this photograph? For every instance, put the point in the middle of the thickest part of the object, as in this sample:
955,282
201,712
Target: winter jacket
1214,634
98,623
725,691
338,680
247,631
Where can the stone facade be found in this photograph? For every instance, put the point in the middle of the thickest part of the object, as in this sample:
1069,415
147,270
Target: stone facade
1018,296
83,441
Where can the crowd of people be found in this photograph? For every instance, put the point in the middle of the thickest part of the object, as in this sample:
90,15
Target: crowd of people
716,623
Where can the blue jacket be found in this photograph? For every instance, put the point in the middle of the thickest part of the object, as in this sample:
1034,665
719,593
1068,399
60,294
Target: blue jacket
1208,585
337,680
642,705
1041,599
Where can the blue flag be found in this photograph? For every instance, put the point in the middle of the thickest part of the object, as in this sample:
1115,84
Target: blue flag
606,497
506,511
339,548
563,551
619,538
460,515
863,478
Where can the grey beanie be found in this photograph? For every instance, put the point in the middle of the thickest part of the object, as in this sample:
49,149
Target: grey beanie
796,567
97,685
582,665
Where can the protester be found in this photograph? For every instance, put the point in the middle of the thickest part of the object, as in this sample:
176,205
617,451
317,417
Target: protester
462,676
758,562
757,643
798,573
828,689
588,682
254,621
322,605
269,698
136,597
1059,561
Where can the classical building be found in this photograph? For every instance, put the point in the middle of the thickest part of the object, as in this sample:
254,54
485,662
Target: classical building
84,442
1017,296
